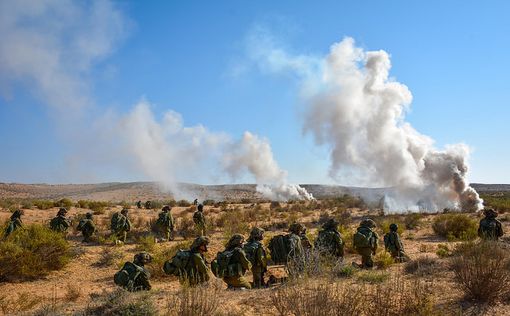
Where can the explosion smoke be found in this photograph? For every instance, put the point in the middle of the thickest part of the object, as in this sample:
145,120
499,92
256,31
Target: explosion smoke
353,107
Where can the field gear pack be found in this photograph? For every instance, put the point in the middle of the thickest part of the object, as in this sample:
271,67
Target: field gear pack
387,243
163,219
178,264
118,222
250,249
281,247
127,276
362,240
222,265
327,239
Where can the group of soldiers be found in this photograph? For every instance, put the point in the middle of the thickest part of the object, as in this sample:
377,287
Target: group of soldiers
239,257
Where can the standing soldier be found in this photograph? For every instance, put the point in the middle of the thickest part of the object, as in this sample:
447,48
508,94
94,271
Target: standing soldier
365,242
139,204
148,205
490,228
165,223
133,276
199,219
87,227
257,255
232,264
394,245
195,202
60,223
120,225
329,240
14,223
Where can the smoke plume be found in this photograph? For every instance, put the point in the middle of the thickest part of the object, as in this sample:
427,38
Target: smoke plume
358,111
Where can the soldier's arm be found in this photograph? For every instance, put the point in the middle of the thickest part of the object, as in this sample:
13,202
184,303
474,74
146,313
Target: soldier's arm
245,263
261,257
201,266
499,229
128,224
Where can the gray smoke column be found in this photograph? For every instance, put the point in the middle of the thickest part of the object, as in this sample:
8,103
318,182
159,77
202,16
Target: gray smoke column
254,155
353,107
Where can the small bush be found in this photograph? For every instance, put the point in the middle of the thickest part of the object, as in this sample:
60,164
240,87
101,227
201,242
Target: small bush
194,301
343,271
423,266
183,203
443,251
67,203
109,257
455,227
43,204
482,270
413,220
373,277
186,227
32,253
318,299
146,243
383,259
121,302
73,292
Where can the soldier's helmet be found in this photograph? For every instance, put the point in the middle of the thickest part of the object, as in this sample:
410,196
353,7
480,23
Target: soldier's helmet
124,211
16,214
235,241
393,227
367,222
166,208
62,211
200,241
330,224
200,207
257,233
88,215
142,258
489,212
296,228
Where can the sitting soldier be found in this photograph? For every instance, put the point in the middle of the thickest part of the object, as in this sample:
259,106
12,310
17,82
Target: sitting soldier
87,227
284,248
165,224
14,223
490,228
199,220
394,245
329,241
120,225
305,241
60,223
232,264
133,276
190,265
365,242
257,255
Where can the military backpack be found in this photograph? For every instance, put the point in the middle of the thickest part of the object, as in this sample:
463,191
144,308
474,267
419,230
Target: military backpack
361,240
127,276
178,265
280,247
117,222
250,249
222,265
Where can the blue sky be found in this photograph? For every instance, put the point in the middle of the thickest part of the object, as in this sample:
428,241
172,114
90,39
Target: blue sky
186,56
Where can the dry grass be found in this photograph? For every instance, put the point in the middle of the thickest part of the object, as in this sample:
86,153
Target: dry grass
121,302
73,292
455,227
194,301
23,302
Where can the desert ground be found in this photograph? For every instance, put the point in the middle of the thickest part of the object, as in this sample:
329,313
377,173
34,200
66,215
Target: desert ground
88,278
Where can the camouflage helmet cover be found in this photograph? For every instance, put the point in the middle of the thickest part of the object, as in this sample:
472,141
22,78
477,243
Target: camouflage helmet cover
256,233
296,228
124,211
200,241
367,222
393,227
166,208
489,212
62,211
330,223
200,207
235,241
88,215
16,214
142,258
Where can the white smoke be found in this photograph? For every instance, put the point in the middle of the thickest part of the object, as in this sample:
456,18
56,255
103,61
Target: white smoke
353,107
254,155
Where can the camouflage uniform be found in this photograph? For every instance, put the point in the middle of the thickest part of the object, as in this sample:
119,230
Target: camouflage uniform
60,223
139,204
123,225
165,223
199,220
366,251
257,255
14,223
148,205
138,275
329,241
490,228
197,269
87,227
305,242
238,264
394,245
295,230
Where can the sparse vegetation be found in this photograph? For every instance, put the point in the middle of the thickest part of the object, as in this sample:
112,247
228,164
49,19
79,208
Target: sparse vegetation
383,259
121,302
373,276
22,302
32,253
194,301
455,227
423,266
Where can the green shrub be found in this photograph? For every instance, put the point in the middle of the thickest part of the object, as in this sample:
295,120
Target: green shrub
455,227
67,203
373,276
146,243
183,203
443,251
383,259
413,220
32,253
43,204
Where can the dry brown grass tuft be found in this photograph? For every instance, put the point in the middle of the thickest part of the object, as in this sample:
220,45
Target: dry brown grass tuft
73,292
194,301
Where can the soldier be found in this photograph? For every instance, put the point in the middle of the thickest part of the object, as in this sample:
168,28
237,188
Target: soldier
232,264
120,225
295,232
255,252
165,223
14,223
394,245
305,242
365,242
195,202
490,228
60,223
87,227
139,204
329,240
133,276
199,219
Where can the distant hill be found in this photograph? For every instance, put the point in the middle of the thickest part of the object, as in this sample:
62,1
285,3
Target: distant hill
133,191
